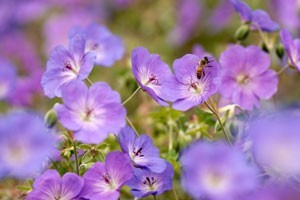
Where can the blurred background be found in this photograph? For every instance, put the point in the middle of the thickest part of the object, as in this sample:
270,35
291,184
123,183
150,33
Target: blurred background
29,29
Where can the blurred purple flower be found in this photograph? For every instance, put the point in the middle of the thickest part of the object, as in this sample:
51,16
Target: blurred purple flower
57,27
107,46
151,73
259,19
50,185
188,17
141,150
28,66
246,77
221,15
104,180
273,191
199,51
275,145
8,78
146,182
65,65
185,89
286,13
92,113
216,171
25,144
292,48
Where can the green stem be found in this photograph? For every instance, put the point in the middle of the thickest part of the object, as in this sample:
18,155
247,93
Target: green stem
283,69
170,137
89,81
133,94
154,197
132,126
219,121
76,157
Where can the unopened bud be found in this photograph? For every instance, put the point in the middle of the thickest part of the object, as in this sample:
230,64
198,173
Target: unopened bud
242,32
50,118
280,51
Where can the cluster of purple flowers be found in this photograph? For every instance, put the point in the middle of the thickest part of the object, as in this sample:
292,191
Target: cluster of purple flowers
238,77
138,166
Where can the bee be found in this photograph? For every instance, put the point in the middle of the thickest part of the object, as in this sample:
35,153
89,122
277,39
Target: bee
200,67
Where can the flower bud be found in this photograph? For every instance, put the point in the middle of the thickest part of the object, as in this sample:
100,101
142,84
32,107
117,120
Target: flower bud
50,118
280,51
242,32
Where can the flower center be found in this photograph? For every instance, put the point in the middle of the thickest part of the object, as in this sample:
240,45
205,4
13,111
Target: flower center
88,115
243,79
152,79
150,181
109,182
195,87
137,152
68,67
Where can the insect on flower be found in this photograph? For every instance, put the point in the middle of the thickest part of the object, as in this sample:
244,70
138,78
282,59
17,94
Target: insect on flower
200,67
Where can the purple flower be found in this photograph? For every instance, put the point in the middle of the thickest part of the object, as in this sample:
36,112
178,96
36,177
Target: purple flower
246,77
141,150
104,181
8,78
216,171
65,65
28,67
286,13
259,19
292,48
186,89
146,182
25,144
50,185
92,113
107,46
151,73
199,51
275,143
188,14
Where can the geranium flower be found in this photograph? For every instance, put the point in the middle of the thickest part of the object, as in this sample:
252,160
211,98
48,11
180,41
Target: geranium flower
50,185
107,46
259,19
146,182
104,180
65,65
25,144
151,73
246,77
91,113
141,150
215,170
186,89
292,48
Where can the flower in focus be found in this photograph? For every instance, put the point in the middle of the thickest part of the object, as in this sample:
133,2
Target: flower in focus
65,65
104,180
7,78
92,113
151,73
107,46
246,77
141,150
292,47
259,19
146,182
50,185
25,144
216,171
191,87
275,143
